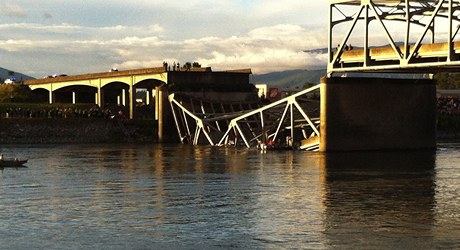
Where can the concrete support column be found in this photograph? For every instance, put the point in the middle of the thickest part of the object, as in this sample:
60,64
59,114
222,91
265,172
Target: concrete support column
377,114
132,101
100,95
123,97
157,104
148,96
51,97
100,98
160,104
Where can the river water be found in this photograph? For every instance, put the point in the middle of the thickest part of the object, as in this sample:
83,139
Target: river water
184,197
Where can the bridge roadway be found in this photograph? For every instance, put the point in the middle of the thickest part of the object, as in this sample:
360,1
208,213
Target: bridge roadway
429,58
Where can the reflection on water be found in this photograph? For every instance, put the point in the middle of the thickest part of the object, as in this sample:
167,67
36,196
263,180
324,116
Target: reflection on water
380,199
176,196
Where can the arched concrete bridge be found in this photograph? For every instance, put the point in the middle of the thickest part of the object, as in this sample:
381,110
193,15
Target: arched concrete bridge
118,87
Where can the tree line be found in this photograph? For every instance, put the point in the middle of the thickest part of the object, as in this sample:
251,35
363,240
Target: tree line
447,80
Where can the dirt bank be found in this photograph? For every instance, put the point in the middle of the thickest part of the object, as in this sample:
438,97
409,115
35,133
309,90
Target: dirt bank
73,130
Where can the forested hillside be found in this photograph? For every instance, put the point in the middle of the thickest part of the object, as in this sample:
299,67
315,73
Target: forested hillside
290,78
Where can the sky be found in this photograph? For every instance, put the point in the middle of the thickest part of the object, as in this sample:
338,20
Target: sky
72,37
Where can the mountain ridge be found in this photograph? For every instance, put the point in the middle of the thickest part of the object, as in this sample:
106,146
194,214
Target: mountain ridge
6,74
290,78
298,78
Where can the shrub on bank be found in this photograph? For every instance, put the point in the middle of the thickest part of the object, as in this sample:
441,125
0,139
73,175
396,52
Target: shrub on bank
15,93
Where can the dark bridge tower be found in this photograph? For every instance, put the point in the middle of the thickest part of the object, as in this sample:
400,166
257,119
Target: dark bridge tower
377,114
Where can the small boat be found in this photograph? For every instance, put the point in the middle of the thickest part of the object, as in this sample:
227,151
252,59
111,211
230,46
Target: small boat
15,163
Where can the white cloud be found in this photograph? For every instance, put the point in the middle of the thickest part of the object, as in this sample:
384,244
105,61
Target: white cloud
77,49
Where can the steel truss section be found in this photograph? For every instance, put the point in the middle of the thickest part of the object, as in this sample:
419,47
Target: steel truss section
415,53
251,128
270,131
182,119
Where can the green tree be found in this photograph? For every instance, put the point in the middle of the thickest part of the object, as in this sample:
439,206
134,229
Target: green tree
14,93
445,80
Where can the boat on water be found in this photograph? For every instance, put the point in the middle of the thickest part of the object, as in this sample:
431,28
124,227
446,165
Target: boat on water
15,163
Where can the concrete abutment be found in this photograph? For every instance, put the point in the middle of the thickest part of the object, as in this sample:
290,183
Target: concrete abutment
359,114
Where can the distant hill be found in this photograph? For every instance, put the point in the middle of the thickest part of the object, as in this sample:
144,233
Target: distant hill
298,78
6,74
290,78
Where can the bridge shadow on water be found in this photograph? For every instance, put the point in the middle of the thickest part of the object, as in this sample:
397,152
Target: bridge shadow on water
380,199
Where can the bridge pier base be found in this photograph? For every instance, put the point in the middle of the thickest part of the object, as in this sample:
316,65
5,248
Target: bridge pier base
359,114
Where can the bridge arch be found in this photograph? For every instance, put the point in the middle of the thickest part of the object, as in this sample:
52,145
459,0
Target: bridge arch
149,83
41,95
115,93
76,94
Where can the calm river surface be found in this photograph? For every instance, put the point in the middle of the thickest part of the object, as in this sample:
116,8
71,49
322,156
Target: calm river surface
183,197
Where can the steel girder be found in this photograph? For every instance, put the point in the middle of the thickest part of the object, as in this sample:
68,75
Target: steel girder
413,54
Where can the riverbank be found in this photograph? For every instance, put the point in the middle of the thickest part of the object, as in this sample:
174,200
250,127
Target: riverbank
74,130
94,130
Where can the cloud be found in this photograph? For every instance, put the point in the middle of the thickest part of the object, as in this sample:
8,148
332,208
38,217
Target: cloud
77,49
264,50
12,10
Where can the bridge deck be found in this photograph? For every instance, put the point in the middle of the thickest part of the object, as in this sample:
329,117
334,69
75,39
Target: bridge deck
388,53
90,76
427,57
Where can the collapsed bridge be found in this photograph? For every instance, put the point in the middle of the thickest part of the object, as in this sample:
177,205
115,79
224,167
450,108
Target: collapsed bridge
292,122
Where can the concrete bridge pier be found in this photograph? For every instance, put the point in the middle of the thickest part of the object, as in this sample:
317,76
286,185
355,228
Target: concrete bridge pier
160,97
51,97
132,101
100,97
360,114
